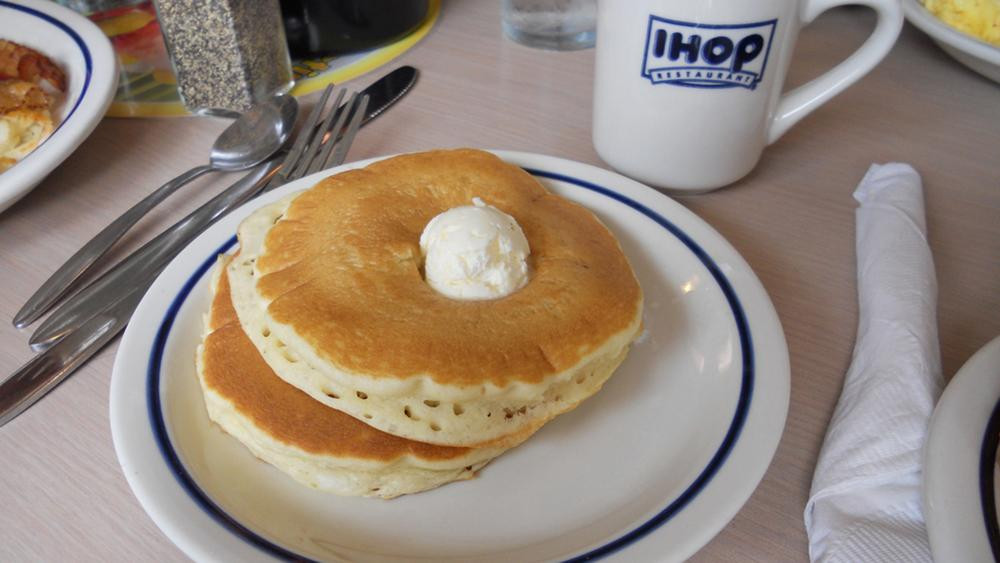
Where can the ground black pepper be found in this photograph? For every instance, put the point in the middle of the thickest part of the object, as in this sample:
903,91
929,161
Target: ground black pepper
227,54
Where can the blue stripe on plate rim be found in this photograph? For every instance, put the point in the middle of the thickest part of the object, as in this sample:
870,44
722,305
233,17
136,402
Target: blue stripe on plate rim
87,59
987,486
732,434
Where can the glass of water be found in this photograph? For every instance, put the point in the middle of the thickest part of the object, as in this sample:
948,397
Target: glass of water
561,25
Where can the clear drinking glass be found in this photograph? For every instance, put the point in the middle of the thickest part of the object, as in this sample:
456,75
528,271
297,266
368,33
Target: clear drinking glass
561,25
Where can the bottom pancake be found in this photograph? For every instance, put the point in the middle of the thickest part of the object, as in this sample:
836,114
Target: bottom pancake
315,444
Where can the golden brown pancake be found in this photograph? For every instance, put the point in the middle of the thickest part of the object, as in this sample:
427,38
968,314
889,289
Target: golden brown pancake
329,288
315,444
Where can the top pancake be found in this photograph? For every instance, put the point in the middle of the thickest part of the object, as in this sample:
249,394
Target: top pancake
343,269
333,276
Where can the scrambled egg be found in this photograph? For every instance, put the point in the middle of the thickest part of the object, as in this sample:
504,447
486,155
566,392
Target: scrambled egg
979,18
25,120
20,132
30,84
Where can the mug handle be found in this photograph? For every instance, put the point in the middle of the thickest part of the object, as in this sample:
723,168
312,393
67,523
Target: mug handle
801,101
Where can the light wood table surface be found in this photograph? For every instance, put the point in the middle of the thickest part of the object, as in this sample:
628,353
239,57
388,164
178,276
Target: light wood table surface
62,494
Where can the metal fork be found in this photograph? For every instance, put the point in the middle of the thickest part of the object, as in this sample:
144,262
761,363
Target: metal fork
107,305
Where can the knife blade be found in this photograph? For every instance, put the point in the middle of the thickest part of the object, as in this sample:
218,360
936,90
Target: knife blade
386,91
111,305
145,262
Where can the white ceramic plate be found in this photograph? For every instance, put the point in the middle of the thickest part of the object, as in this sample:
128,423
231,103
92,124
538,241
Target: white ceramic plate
960,461
651,467
86,56
978,55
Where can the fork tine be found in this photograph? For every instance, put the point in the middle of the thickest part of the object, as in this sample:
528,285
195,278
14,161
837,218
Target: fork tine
305,135
319,138
340,154
321,143
319,162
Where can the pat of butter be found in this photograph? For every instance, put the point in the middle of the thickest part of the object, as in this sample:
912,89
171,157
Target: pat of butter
475,252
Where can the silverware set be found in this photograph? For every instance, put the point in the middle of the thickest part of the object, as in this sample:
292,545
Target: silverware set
248,141
90,318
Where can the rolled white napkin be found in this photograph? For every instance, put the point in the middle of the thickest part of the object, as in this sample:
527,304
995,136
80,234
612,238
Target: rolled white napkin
865,503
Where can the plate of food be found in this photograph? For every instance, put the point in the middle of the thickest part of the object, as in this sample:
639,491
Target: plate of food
960,460
533,358
968,30
57,78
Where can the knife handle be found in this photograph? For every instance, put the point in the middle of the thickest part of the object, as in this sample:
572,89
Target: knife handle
46,370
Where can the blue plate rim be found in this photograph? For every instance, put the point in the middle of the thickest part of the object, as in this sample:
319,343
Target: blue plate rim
987,486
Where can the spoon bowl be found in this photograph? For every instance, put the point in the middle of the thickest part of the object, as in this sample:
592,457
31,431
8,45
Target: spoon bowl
255,135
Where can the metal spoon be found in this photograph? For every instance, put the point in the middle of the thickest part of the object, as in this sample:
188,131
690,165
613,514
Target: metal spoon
253,137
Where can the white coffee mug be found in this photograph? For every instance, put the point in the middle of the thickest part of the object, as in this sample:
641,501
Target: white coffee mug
687,93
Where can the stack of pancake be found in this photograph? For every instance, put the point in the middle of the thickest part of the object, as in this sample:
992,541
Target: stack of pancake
328,355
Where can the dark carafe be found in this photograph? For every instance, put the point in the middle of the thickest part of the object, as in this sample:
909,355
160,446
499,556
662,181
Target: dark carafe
316,28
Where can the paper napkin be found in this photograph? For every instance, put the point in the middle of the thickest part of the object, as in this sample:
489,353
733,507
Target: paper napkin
865,503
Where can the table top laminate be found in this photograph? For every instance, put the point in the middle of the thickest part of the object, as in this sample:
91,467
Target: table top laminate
61,489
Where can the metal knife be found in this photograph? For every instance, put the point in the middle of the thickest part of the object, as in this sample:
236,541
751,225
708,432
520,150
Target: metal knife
111,304
145,262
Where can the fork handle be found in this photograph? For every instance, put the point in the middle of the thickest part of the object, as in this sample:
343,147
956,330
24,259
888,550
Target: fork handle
63,279
144,264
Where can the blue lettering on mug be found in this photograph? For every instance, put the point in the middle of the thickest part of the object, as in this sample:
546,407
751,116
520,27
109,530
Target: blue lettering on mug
706,56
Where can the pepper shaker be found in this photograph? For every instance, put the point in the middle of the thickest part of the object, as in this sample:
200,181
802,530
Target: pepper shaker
227,54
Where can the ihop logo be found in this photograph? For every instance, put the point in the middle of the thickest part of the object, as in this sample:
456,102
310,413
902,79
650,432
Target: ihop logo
706,56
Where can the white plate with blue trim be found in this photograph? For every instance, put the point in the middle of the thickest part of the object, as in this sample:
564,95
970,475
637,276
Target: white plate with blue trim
960,462
85,54
650,468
